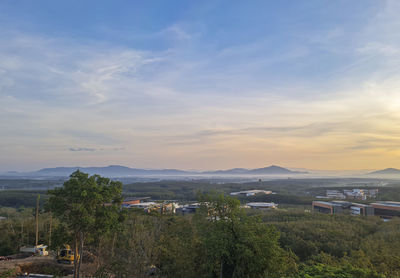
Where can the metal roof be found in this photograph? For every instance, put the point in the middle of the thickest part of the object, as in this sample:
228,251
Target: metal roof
128,199
261,204
388,204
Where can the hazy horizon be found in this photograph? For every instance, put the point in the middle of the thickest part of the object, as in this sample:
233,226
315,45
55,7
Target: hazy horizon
200,85
360,171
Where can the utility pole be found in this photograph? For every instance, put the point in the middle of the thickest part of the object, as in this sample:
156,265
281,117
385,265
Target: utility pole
51,222
37,220
22,232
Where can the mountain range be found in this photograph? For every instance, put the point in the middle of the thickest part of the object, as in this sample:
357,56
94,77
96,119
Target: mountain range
123,171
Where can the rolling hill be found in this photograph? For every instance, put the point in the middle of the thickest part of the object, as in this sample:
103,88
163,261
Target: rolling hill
123,171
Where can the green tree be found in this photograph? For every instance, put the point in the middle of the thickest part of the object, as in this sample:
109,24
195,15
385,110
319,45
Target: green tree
326,271
88,206
179,252
237,245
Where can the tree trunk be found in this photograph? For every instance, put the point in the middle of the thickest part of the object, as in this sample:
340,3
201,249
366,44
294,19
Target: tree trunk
81,239
51,223
37,220
76,274
99,253
113,245
22,233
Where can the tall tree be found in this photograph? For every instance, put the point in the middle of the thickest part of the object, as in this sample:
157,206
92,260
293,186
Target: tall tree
89,206
238,245
220,241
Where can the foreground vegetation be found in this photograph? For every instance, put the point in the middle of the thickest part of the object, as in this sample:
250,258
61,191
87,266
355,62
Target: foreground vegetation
220,240
295,244
307,244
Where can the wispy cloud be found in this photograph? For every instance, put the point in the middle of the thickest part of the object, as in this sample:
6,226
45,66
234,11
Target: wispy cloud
329,94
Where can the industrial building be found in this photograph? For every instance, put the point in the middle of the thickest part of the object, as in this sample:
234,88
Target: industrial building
146,206
338,207
188,209
133,201
357,194
386,209
333,207
261,205
161,207
334,194
360,194
361,209
250,192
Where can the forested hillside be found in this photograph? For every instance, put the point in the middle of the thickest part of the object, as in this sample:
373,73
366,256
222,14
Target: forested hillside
219,239
303,243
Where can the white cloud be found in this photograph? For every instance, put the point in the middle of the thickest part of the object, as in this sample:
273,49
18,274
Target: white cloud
163,108
378,48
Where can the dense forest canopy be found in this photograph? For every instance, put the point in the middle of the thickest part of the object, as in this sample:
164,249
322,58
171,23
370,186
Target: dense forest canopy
308,243
291,241
288,191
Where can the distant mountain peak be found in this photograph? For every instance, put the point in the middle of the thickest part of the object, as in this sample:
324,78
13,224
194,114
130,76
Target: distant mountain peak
391,169
274,169
269,170
387,171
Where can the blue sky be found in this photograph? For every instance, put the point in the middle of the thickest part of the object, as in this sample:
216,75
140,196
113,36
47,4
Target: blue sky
200,84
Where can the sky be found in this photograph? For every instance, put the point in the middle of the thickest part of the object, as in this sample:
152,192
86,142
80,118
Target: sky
200,84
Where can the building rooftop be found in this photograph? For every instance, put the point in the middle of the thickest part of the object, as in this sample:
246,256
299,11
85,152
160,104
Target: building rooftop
254,191
261,204
144,204
324,202
334,203
360,205
387,203
128,199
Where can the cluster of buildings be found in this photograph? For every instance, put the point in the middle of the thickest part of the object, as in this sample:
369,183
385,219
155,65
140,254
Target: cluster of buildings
145,204
172,207
385,210
356,194
256,205
142,203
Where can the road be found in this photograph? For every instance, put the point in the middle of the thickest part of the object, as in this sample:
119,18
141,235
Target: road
33,264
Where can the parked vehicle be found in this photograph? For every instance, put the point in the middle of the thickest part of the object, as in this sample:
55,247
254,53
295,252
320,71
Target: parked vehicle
37,250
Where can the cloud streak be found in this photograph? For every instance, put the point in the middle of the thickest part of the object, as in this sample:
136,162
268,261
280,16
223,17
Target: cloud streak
327,98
